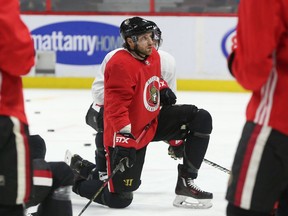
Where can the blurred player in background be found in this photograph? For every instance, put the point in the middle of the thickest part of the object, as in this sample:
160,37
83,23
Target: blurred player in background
259,63
16,59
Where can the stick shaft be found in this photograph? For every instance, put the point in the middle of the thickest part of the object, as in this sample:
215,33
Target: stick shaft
217,166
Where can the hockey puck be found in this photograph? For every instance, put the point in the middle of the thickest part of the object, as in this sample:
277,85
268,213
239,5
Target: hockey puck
51,130
87,144
37,112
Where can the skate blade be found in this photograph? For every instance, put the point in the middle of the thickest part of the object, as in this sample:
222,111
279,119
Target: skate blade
68,156
182,202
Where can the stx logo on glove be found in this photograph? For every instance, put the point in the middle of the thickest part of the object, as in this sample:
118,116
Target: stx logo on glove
122,140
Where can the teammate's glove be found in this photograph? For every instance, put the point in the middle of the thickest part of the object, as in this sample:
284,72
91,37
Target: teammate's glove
95,118
167,96
125,143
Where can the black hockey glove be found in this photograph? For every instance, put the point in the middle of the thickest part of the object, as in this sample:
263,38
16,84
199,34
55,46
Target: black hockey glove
120,152
176,152
167,97
95,119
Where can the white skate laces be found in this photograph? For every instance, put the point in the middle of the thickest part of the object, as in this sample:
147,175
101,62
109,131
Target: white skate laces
192,185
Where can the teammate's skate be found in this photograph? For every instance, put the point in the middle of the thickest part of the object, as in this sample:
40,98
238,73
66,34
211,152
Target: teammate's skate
31,214
187,190
102,176
81,168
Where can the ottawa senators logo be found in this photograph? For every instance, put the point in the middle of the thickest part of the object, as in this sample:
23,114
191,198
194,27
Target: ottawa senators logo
151,94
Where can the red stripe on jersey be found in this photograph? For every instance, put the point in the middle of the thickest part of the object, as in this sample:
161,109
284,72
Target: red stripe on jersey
109,171
245,164
42,173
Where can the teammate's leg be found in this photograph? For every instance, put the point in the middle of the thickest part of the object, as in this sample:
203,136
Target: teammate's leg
15,179
37,147
282,209
58,202
236,211
52,182
100,157
94,118
266,151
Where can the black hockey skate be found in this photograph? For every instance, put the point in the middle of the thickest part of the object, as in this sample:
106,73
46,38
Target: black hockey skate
187,189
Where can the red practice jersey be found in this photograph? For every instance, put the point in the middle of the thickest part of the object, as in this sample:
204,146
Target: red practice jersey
131,96
261,60
16,59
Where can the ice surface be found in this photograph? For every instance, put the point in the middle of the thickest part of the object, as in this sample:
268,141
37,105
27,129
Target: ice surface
59,117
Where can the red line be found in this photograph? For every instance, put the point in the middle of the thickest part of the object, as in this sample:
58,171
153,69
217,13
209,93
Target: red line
110,183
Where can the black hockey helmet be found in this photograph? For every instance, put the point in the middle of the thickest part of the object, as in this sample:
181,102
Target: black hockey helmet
158,37
135,26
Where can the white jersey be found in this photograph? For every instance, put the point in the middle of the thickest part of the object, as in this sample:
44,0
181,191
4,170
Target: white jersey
168,73
168,69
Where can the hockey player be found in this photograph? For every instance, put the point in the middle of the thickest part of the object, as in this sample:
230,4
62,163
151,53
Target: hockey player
52,182
94,116
259,63
16,59
133,93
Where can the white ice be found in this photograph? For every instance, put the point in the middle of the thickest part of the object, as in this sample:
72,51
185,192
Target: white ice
59,117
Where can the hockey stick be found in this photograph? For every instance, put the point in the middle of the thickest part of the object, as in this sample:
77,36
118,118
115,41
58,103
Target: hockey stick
116,169
217,166
143,132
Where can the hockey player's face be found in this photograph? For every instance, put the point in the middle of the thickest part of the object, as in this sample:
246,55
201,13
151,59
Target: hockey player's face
145,43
